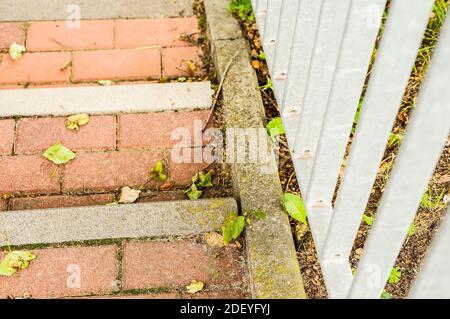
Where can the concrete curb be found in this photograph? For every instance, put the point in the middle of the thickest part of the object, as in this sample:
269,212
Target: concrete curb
21,10
59,225
271,255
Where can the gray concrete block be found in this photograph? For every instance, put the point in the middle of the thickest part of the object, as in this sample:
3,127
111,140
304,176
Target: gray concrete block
25,10
105,99
271,255
58,225
220,26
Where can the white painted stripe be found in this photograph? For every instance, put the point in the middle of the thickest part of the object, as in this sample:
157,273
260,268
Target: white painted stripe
105,99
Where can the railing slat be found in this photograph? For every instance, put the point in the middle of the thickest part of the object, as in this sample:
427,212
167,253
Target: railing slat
359,40
260,11
425,136
395,58
299,64
433,280
326,52
271,31
283,49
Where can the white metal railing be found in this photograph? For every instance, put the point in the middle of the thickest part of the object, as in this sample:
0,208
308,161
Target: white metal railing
318,52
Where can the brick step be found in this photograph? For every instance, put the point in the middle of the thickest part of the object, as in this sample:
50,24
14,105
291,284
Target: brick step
130,270
105,99
140,220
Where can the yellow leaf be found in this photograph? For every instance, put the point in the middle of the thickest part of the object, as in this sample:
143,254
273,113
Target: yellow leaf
192,67
14,261
105,82
16,51
195,286
75,121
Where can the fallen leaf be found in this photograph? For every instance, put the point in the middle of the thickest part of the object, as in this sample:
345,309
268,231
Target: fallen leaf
59,154
14,261
193,192
195,286
105,82
158,171
300,232
202,180
232,227
191,67
16,51
256,64
275,127
214,239
75,121
128,195
167,186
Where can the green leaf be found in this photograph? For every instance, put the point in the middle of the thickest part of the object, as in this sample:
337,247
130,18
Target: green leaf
368,219
16,51
275,127
59,154
395,275
193,193
411,230
204,180
295,207
232,227
386,295
14,261
262,55
158,171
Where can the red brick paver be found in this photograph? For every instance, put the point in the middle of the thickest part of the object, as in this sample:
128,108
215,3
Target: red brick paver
43,36
110,171
59,272
11,32
126,64
161,295
6,136
142,130
60,201
28,174
134,33
37,67
37,134
167,264
223,294
175,61
3,205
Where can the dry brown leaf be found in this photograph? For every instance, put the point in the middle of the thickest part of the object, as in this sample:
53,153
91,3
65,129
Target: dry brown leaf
214,239
256,64
191,67
167,186
128,195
